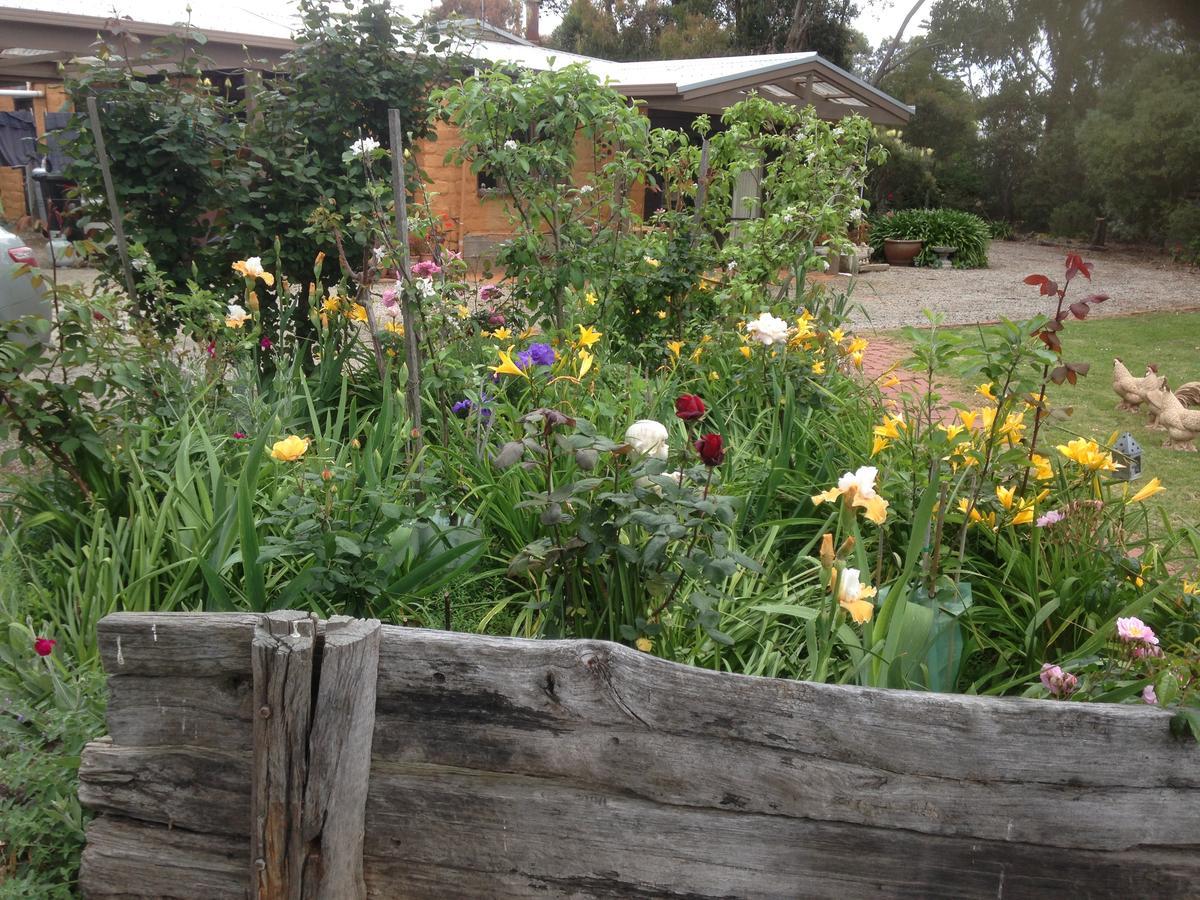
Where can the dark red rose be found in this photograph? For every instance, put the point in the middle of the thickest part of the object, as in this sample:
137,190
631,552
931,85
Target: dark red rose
711,449
689,407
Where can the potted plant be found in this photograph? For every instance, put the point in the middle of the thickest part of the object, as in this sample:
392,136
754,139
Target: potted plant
901,251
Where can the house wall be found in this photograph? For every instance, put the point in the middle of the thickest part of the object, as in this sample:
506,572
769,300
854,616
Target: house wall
12,178
478,222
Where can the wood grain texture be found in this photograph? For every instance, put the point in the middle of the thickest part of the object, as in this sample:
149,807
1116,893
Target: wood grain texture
187,644
282,655
212,713
206,791
128,859
1042,787
454,835
339,761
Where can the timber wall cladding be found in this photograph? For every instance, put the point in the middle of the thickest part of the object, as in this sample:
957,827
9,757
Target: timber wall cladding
504,768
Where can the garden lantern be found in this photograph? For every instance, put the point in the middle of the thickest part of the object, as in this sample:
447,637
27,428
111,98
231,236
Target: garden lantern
1127,453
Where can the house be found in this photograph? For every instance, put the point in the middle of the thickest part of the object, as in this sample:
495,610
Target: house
673,92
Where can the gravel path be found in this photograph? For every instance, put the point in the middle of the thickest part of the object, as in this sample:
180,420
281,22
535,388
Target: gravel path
1136,282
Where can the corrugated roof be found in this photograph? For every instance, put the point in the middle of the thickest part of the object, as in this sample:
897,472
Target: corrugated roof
267,18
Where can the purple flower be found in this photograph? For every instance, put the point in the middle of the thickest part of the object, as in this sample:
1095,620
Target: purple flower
542,354
524,360
462,408
1058,682
1148,695
426,268
265,343
489,292
1051,518
389,297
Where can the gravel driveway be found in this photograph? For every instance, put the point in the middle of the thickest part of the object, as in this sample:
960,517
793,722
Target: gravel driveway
1135,282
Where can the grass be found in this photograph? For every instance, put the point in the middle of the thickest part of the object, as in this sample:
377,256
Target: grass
1169,340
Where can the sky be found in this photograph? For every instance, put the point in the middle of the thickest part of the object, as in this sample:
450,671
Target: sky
878,20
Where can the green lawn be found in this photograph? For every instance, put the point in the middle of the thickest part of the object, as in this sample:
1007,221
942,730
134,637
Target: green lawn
1172,342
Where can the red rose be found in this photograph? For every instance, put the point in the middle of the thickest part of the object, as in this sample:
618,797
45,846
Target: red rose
689,407
43,646
711,449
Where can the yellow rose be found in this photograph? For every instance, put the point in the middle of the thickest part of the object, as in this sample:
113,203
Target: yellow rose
290,449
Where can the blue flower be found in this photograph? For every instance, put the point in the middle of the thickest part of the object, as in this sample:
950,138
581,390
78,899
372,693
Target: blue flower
462,408
541,354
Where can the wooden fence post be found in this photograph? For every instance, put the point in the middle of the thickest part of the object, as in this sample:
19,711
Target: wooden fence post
114,205
282,661
314,715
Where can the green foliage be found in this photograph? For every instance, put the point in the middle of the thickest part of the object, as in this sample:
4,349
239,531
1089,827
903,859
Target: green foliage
968,233
51,708
1142,179
248,173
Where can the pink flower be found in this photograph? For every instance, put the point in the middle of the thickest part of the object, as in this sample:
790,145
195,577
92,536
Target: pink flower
1134,629
1142,651
426,268
1148,695
1051,518
44,646
265,343
239,435
1058,682
211,349
389,297
489,292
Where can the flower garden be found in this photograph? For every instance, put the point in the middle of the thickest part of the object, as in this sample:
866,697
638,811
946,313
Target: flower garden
658,436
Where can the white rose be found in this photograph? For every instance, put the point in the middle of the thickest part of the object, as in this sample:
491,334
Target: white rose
648,437
768,330
510,145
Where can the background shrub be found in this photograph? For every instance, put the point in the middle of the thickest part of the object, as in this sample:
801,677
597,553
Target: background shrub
947,227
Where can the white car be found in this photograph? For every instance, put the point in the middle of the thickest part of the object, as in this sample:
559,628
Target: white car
18,295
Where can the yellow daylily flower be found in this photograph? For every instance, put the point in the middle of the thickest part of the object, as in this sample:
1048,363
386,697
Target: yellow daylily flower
837,335
507,366
588,336
1191,587
713,376
969,418
818,367
676,348
1005,495
585,362
662,313
745,350
503,333
879,445
1042,469
1024,513
891,427
396,328
644,644
358,313
697,353
985,390
332,303
1152,487
290,449
590,299
1087,454
951,431
858,345
464,311
652,262
1013,427
891,381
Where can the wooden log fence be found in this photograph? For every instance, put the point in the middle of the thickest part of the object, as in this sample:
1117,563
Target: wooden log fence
278,756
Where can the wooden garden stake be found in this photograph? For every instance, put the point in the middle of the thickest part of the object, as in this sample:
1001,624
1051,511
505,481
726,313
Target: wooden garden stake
412,350
109,189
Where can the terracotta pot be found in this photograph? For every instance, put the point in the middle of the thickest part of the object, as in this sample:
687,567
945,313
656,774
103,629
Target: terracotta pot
901,253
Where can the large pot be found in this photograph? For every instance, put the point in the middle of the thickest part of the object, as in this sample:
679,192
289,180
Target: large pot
900,252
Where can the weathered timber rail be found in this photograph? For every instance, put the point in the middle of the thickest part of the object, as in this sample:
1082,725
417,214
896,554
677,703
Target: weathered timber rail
279,757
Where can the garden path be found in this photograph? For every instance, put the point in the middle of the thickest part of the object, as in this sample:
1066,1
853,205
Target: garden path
1138,281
